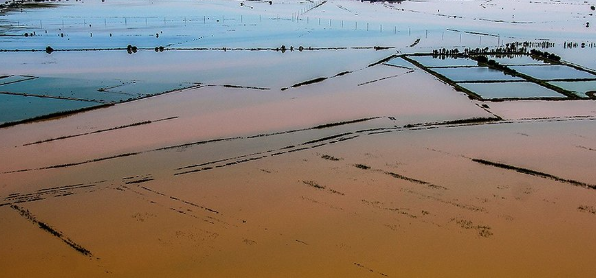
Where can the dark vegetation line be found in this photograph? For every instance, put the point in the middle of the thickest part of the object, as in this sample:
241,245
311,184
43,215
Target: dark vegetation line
152,49
321,79
180,200
415,42
179,210
586,148
100,131
344,123
370,270
74,163
315,6
308,82
141,180
441,77
27,215
452,203
384,60
319,142
245,87
384,78
55,115
16,81
402,177
398,176
41,194
52,97
484,61
99,106
270,153
480,55
534,173
68,190
182,146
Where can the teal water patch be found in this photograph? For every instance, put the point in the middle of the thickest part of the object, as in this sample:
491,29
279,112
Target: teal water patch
515,90
549,72
143,89
579,88
475,74
12,79
69,88
399,62
443,61
17,108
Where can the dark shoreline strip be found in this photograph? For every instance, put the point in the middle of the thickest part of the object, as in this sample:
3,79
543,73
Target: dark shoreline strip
55,115
27,215
534,173
47,96
99,131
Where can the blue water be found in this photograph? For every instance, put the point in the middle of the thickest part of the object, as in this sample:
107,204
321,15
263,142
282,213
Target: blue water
16,108
474,74
511,90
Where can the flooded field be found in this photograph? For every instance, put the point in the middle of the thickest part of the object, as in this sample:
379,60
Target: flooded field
297,138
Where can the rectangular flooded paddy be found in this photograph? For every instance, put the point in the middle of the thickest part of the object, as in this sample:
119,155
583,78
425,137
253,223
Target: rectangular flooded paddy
14,108
501,90
475,74
553,72
581,88
515,76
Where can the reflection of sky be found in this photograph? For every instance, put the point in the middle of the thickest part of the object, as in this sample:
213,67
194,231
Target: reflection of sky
578,87
510,90
553,72
474,74
227,24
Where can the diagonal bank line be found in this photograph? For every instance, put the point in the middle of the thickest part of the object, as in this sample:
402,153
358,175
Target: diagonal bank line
99,131
186,145
27,215
52,97
534,173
